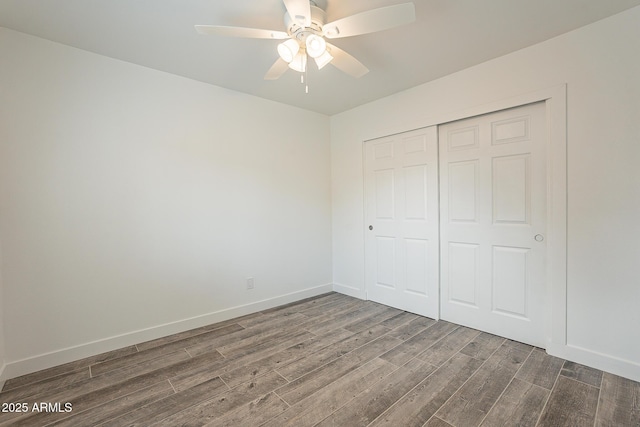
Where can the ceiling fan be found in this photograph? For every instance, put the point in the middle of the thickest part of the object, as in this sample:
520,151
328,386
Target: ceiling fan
306,30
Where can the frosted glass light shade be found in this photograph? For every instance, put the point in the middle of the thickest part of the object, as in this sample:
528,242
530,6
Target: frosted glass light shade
323,59
288,50
316,46
299,63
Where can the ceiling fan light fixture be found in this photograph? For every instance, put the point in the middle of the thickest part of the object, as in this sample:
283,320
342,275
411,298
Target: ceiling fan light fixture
323,59
288,50
315,45
299,63
306,30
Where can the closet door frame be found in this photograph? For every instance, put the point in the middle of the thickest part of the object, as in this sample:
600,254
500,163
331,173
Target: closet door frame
555,100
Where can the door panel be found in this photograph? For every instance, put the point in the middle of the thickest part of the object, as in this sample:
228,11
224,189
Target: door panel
384,194
463,191
415,201
401,206
386,261
511,189
463,273
509,288
493,204
416,253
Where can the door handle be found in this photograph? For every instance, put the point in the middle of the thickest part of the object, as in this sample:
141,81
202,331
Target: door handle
539,238
371,227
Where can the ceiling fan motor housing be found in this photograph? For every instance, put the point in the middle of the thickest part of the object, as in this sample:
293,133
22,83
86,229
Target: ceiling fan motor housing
300,33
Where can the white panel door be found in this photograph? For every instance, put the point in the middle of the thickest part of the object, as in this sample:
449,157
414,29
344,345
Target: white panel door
401,210
493,211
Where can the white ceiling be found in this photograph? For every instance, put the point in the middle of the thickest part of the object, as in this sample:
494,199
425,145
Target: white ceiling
448,36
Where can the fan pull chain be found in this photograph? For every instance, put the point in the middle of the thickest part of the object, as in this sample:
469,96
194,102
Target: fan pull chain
306,77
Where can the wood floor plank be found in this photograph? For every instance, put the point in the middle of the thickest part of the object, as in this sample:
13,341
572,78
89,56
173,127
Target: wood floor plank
582,373
254,413
275,360
198,375
46,374
237,360
336,309
206,412
483,346
337,305
521,405
279,316
327,354
346,318
327,315
452,343
102,392
239,338
310,383
619,403
368,405
288,321
192,332
96,390
286,337
399,320
308,412
475,398
318,299
109,410
412,328
49,384
418,343
155,352
164,366
540,369
160,409
437,422
372,320
572,403
418,406
265,333
160,359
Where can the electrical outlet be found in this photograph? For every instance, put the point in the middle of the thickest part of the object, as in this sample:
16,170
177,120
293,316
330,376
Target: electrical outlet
249,282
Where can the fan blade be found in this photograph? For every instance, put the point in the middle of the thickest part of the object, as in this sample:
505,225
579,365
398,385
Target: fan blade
346,63
252,33
299,11
371,21
277,70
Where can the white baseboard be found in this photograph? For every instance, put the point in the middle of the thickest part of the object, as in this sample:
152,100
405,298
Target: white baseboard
608,363
48,360
350,291
604,362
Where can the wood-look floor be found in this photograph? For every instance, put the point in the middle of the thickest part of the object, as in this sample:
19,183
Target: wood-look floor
326,361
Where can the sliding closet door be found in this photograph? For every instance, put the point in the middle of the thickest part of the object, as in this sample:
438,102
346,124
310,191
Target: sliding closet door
401,213
493,212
